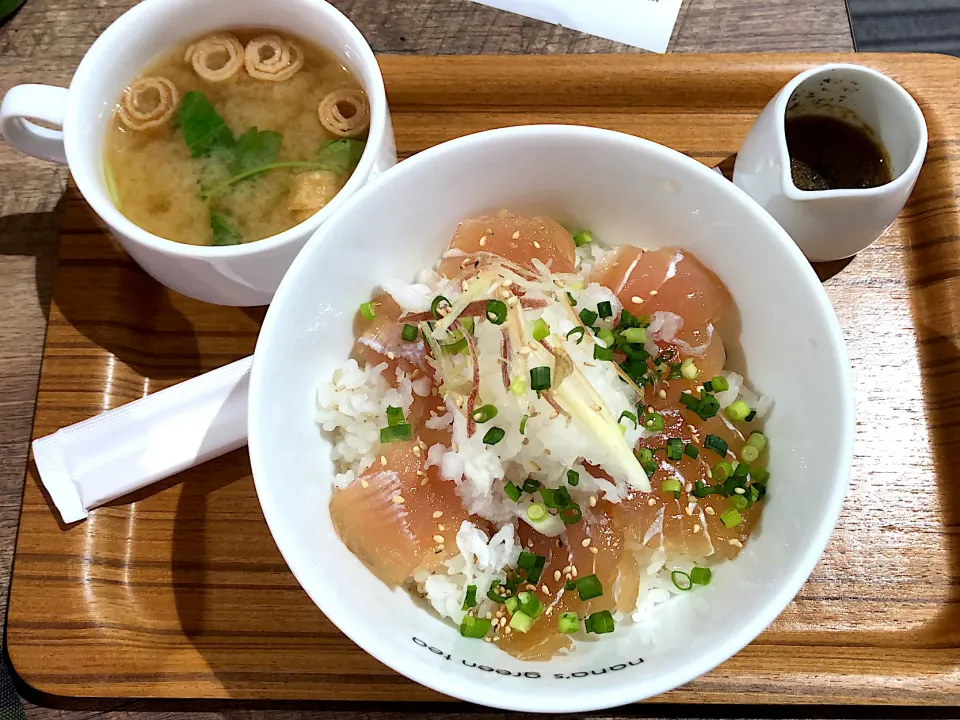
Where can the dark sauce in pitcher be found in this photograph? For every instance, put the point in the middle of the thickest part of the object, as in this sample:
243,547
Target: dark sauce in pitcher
831,154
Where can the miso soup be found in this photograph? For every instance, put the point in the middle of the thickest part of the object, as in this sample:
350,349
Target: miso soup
234,137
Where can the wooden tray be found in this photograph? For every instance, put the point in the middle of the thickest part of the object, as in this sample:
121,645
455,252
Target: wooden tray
180,592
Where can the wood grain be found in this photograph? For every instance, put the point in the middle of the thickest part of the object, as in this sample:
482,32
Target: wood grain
181,593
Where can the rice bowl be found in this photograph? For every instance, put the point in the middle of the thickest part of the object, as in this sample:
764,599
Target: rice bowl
628,191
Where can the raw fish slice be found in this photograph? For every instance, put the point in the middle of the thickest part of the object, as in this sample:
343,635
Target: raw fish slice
382,335
387,516
516,239
669,279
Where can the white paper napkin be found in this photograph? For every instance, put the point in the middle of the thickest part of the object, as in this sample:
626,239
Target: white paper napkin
100,459
646,24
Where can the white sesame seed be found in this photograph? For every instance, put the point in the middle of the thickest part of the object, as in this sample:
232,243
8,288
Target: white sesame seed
524,350
416,450
507,282
557,575
566,569
735,543
710,473
464,285
739,491
489,616
364,484
593,501
442,528
505,294
545,589
649,408
486,639
586,542
437,514
651,502
529,543
594,550
536,244
662,394
554,415
513,301
568,577
573,570
688,487
383,460
590,363
597,408
549,610
696,528
686,392
652,293
440,547
508,630
424,482
391,356
489,231
421,473
636,300
516,235
688,510
531,588
398,500
483,241
438,539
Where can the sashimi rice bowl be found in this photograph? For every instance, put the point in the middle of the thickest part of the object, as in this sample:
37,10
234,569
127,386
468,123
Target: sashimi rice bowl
566,427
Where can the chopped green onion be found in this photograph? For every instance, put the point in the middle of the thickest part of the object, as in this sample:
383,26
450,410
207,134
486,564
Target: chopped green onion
681,580
635,352
707,407
719,383
691,451
579,332
473,627
582,238
751,416
573,478
674,449
707,386
742,470
394,416
700,576
409,333
629,415
493,436
739,502
555,499
467,323
540,378
731,518
368,310
536,512
523,424
435,306
512,604
484,413
758,440
688,369
471,599
571,300
455,347
530,486
492,593
533,564
607,337
690,401
395,433
644,455
588,317
529,605
568,623
512,491
602,353
604,309
737,411
518,386
571,514
717,444
599,623
722,470
671,485
653,421
760,476
749,453
540,329
521,622
587,587
676,373
496,311
637,336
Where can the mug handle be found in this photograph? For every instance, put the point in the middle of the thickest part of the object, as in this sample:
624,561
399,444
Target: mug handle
26,103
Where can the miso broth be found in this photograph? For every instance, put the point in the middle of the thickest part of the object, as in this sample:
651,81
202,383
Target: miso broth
234,137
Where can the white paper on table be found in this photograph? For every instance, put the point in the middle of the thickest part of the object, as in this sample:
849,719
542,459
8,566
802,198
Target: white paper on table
646,24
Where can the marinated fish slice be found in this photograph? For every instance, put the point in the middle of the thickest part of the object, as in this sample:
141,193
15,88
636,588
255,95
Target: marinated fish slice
382,337
517,239
671,280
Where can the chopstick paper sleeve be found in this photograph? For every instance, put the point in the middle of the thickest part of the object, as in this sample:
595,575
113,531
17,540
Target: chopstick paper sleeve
122,450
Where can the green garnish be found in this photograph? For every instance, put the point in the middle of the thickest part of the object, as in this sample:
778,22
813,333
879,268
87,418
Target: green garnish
471,598
540,330
254,149
556,499
751,416
722,470
701,576
532,564
644,455
681,580
492,593
473,627
749,453
571,300
435,306
368,310
691,451
484,413
201,125
671,485
340,156
739,502
758,440
529,604
512,604
731,518
719,384
629,415
523,424
599,623
607,337
530,485
604,309
582,238
493,436
410,333
571,514
396,433
653,421
394,416
637,336
512,491
579,332
674,449
521,622
587,587
602,353
573,478
540,379
568,623
717,444
737,411
224,233
536,512
496,311
588,317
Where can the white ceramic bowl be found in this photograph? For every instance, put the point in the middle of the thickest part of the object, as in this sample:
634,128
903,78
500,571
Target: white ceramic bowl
245,274
626,190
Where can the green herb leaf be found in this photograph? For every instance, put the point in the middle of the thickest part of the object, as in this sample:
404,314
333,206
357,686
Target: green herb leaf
340,156
255,149
203,129
224,233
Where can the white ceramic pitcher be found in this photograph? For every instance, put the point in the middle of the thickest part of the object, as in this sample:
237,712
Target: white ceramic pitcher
834,224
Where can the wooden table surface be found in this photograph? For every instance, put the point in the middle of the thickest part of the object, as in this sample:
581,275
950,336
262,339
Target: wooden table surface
43,44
